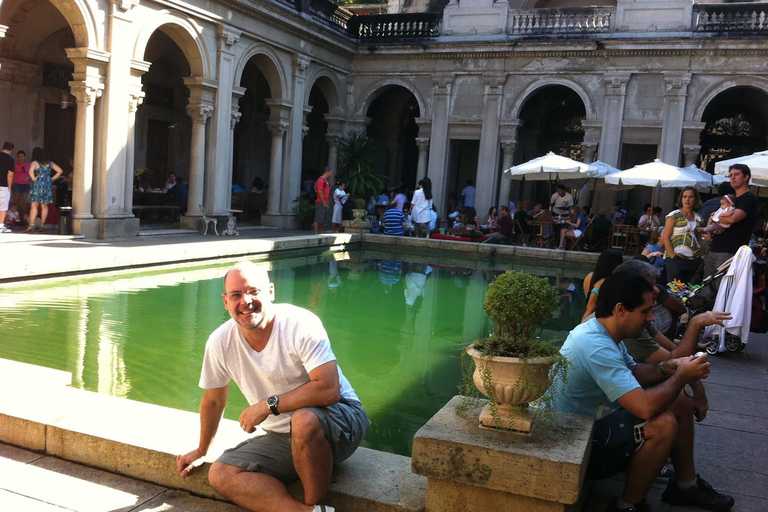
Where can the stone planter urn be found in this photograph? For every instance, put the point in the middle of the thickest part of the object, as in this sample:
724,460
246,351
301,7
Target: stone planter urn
359,214
514,382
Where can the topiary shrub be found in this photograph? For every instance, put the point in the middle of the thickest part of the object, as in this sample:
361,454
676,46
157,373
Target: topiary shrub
360,203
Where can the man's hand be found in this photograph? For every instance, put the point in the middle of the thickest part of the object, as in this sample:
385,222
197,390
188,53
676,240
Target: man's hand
717,231
187,463
692,368
253,416
710,318
700,405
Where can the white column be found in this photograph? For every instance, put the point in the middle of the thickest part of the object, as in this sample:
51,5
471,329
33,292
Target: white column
135,98
690,154
675,91
278,130
333,155
615,92
82,181
438,147
487,177
421,167
200,114
218,189
294,144
508,154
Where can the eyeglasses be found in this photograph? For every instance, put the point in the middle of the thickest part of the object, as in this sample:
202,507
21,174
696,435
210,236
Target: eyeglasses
237,295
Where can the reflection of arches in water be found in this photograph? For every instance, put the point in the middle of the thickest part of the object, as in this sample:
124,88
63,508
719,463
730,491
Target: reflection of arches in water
736,124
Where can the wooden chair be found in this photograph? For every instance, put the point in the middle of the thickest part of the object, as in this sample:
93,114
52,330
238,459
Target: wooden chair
624,238
254,204
523,237
602,230
576,244
238,203
543,222
209,220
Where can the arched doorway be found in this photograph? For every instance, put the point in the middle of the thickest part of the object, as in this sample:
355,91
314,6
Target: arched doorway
736,124
315,148
393,128
252,138
550,120
36,107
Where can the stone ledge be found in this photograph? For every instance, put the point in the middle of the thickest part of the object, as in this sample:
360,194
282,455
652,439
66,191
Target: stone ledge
453,448
141,441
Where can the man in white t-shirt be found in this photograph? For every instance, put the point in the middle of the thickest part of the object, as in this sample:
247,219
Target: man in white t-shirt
468,194
280,357
561,201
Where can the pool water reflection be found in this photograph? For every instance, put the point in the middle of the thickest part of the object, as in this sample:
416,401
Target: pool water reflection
396,325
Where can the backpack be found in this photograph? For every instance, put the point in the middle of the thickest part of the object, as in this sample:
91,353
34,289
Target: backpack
312,195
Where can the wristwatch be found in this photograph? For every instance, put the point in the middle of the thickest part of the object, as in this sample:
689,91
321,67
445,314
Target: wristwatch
272,404
660,365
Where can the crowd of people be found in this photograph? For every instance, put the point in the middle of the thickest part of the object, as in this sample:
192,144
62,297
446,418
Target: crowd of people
27,188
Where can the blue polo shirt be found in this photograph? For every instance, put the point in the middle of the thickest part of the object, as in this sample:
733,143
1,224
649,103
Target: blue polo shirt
600,372
393,222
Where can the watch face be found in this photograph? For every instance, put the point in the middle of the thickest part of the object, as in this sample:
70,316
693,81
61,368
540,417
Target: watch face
272,401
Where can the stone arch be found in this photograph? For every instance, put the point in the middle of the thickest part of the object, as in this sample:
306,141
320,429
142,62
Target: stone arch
185,33
378,87
331,88
519,101
77,13
269,64
754,82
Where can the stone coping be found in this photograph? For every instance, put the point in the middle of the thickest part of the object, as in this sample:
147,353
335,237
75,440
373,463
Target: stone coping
141,441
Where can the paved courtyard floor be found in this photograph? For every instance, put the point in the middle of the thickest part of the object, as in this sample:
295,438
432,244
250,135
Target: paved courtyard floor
731,444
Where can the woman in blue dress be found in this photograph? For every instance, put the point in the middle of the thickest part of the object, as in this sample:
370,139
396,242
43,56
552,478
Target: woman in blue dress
41,194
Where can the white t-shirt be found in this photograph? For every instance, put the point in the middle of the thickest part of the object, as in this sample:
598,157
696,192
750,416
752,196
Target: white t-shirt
561,204
421,207
298,345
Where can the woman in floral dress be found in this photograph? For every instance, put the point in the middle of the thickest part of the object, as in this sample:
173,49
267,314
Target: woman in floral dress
41,194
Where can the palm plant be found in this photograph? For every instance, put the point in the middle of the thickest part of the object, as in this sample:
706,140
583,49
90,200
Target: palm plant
356,155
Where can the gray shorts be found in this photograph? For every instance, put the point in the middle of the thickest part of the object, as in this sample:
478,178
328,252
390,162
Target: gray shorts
320,213
344,424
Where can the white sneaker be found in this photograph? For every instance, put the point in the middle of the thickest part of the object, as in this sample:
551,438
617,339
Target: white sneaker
323,508
6,229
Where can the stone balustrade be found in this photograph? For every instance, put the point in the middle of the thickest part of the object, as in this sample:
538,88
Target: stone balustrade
395,26
561,21
737,17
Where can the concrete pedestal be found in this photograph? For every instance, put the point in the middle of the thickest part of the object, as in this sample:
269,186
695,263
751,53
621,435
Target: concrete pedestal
472,469
356,226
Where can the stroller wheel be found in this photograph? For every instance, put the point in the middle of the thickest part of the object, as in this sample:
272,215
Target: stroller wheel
742,346
712,348
733,343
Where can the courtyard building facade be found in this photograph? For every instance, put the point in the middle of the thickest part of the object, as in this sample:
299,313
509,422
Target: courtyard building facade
222,92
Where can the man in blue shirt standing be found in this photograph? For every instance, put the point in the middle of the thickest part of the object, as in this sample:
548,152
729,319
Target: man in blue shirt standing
468,195
643,417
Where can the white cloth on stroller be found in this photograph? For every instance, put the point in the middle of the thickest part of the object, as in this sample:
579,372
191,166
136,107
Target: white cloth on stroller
735,296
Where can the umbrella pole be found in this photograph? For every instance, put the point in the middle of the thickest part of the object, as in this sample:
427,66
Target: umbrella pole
653,199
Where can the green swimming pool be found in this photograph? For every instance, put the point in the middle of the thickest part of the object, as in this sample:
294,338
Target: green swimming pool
396,324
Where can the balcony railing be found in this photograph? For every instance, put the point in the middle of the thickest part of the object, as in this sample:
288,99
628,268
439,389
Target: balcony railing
738,17
561,21
395,26
330,13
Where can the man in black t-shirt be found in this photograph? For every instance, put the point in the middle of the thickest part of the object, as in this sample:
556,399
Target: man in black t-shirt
6,180
728,240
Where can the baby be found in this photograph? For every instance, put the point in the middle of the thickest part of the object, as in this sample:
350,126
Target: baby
720,219
12,216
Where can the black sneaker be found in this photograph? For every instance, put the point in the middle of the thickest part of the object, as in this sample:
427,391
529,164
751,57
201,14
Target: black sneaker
702,495
643,506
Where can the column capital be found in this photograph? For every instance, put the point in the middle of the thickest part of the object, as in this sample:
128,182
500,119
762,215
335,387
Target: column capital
135,98
422,143
333,138
227,36
441,83
508,146
234,118
200,113
494,83
278,128
616,82
588,151
676,84
690,153
85,93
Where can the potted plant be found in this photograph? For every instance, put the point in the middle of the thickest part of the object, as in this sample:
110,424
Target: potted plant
359,211
512,368
305,212
357,152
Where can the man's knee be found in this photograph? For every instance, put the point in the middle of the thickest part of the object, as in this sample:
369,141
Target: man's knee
306,427
662,426
221,474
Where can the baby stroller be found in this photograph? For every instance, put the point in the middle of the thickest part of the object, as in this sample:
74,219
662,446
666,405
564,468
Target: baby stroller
735,295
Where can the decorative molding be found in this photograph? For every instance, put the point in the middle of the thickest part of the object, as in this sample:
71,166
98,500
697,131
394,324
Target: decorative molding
125,5
442,83
333,138
422,143
616,83
676,84
134,100
301,64
278,128
508,146
200,113
228,36
84,93
234,118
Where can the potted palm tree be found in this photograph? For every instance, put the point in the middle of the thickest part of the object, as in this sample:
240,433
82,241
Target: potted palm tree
512,368
356,156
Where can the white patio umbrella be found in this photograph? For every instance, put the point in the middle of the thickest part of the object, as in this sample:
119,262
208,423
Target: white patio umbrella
597,172
548,167
757,162
658,174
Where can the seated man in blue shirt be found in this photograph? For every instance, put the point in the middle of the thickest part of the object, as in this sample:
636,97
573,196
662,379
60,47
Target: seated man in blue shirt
638,428
393,220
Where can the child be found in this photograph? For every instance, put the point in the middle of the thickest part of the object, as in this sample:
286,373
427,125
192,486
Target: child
722,214
12,216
